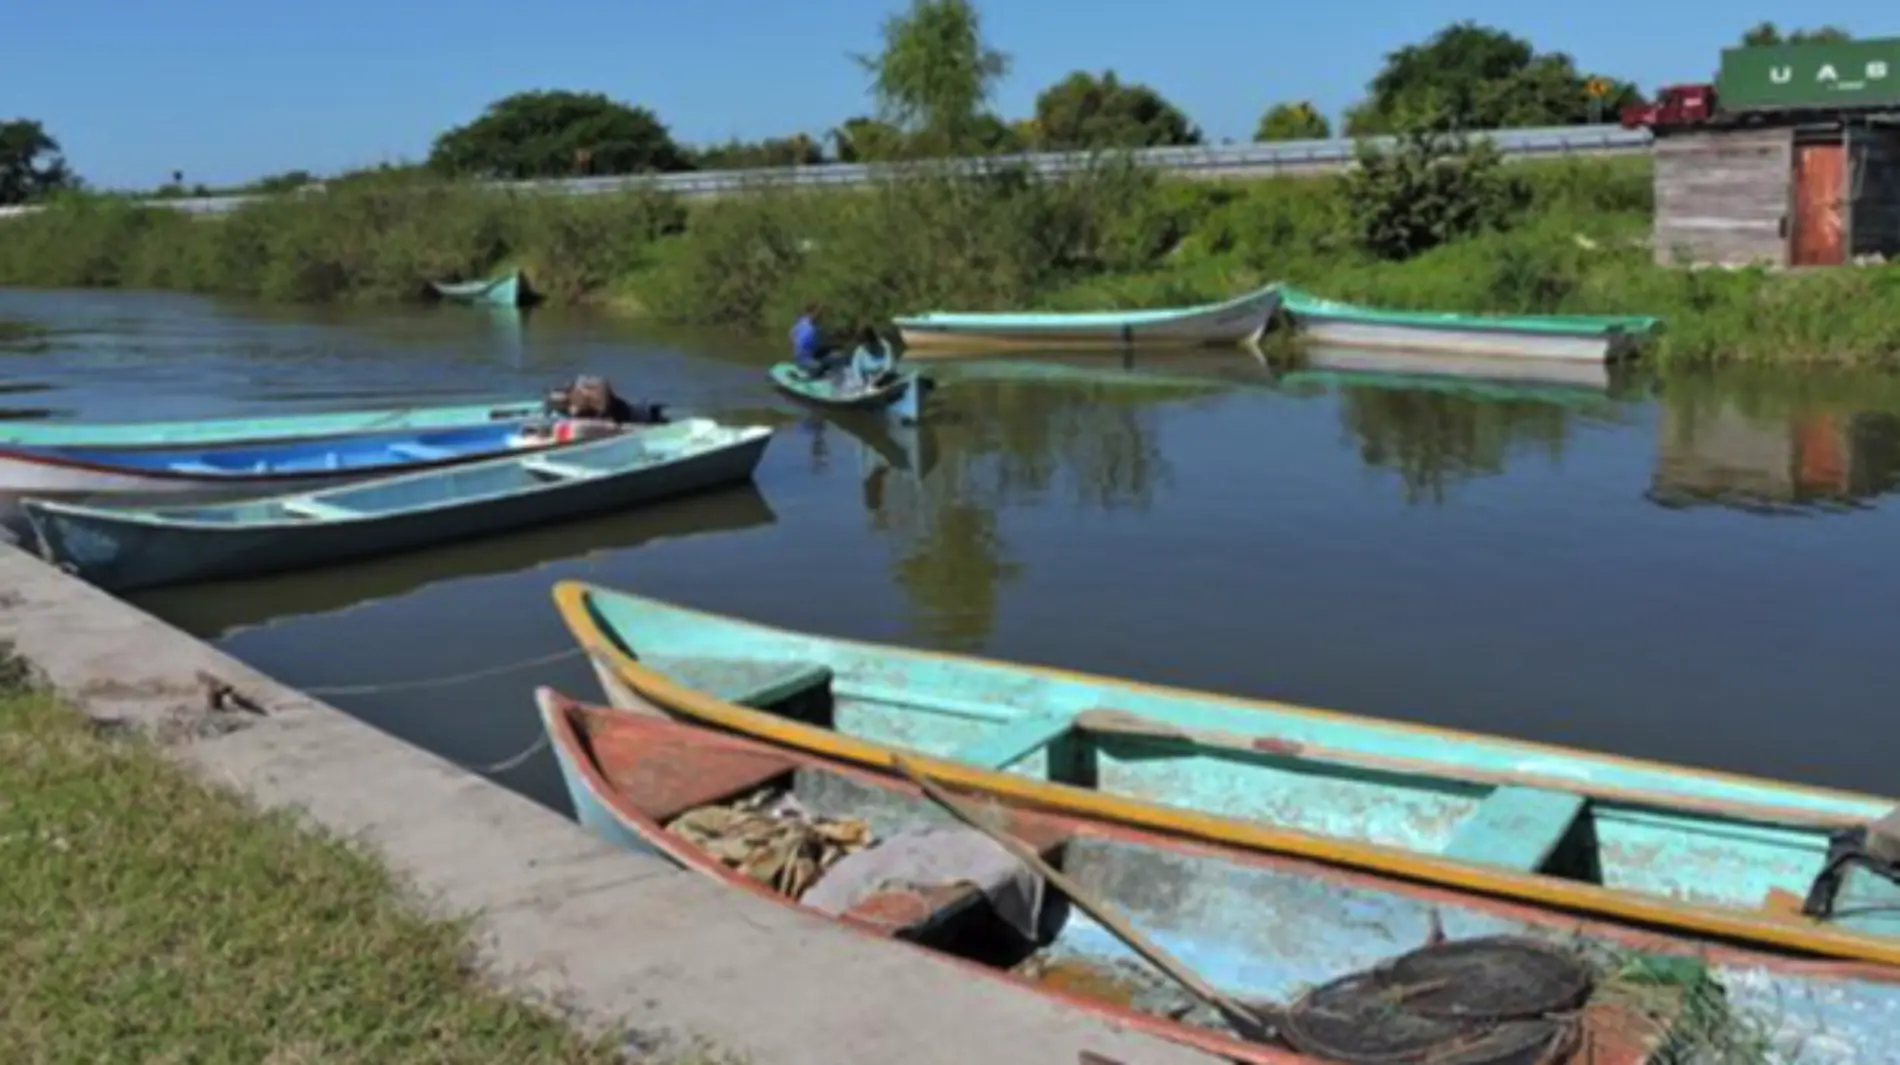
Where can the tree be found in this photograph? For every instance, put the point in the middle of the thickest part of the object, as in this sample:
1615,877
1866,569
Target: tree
934,76
1767,33
1434,187
31,164
865,140
795,150
1083,112
1299,121
1477,77
557,134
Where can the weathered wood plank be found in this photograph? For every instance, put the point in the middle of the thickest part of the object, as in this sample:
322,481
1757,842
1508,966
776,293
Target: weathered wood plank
1721,197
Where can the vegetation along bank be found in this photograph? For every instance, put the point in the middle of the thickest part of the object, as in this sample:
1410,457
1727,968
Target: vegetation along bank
152,917
1438,223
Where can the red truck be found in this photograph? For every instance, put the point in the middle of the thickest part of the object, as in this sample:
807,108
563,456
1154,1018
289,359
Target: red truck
1675,106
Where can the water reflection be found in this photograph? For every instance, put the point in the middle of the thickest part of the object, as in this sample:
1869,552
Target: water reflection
1713,451
1033,437
214,611
1572,382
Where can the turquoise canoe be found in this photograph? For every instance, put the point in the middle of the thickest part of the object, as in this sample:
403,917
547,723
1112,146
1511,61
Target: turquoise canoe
1236,321
1290,939
508,290
1522,336
256,429
901,397
125,548
1699,852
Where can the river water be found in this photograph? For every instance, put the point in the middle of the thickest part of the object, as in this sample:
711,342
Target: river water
1702,572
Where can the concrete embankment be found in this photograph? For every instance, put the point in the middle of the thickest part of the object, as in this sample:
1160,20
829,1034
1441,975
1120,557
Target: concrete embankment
612,938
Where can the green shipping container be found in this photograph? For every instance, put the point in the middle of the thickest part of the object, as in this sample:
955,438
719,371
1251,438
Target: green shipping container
1846,74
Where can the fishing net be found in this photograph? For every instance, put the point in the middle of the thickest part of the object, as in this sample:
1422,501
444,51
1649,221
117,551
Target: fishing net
1490,978
1491,1001
772,841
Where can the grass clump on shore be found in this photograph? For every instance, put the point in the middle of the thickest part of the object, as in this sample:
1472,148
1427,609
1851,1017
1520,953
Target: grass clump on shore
1447,227
153,918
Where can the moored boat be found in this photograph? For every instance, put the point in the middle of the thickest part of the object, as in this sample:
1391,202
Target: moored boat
90,471
1526,336
256,429
1778,865
123,548
1286,939
1239,320
505,290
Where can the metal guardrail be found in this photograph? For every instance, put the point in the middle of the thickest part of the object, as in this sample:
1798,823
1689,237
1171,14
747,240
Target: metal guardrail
1241,159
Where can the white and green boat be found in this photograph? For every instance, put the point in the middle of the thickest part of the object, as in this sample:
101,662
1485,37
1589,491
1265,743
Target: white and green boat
1601,338
1236,321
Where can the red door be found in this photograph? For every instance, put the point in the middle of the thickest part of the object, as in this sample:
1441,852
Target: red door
1819,237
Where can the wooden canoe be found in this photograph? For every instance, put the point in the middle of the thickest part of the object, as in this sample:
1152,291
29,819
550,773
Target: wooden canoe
256,429
1695,851
1236,321
1259,928
122,548
1596,338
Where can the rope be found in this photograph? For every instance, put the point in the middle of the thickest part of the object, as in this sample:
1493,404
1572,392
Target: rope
511,762
443,682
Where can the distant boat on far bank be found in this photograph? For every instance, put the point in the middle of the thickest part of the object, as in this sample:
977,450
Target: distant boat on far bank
1238,320
504,290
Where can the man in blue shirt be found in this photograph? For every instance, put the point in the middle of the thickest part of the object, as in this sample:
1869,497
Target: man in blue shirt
808,345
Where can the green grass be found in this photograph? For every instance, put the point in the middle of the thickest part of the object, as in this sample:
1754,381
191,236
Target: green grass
152,919
1114,236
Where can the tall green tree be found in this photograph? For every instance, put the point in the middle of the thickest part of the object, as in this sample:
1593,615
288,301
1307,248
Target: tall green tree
557,134
934,77
1085,112
1473,77
1767,33
1296,121
31,163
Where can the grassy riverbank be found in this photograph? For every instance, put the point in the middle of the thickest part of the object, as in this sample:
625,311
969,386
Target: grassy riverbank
151,918
1575,242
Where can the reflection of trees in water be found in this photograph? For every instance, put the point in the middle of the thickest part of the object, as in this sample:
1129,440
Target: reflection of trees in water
1011,446
1435,440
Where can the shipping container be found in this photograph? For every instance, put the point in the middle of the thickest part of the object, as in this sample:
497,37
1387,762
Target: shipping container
1861,75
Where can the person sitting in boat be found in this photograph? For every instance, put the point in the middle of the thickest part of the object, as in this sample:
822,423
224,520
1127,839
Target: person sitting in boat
871,364
809,352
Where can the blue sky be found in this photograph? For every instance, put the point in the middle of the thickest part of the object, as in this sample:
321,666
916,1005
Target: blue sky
229,90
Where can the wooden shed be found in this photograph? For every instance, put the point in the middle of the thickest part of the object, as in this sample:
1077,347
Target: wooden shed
1808,194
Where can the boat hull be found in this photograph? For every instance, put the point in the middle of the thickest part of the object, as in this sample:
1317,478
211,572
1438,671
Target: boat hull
1703,852
1237,321
243,432
1223,910
123,549
508,290
284,465
1542,338
901,397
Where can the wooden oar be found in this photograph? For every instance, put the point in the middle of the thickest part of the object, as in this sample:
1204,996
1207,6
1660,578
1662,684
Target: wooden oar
1243,1019
1121,722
